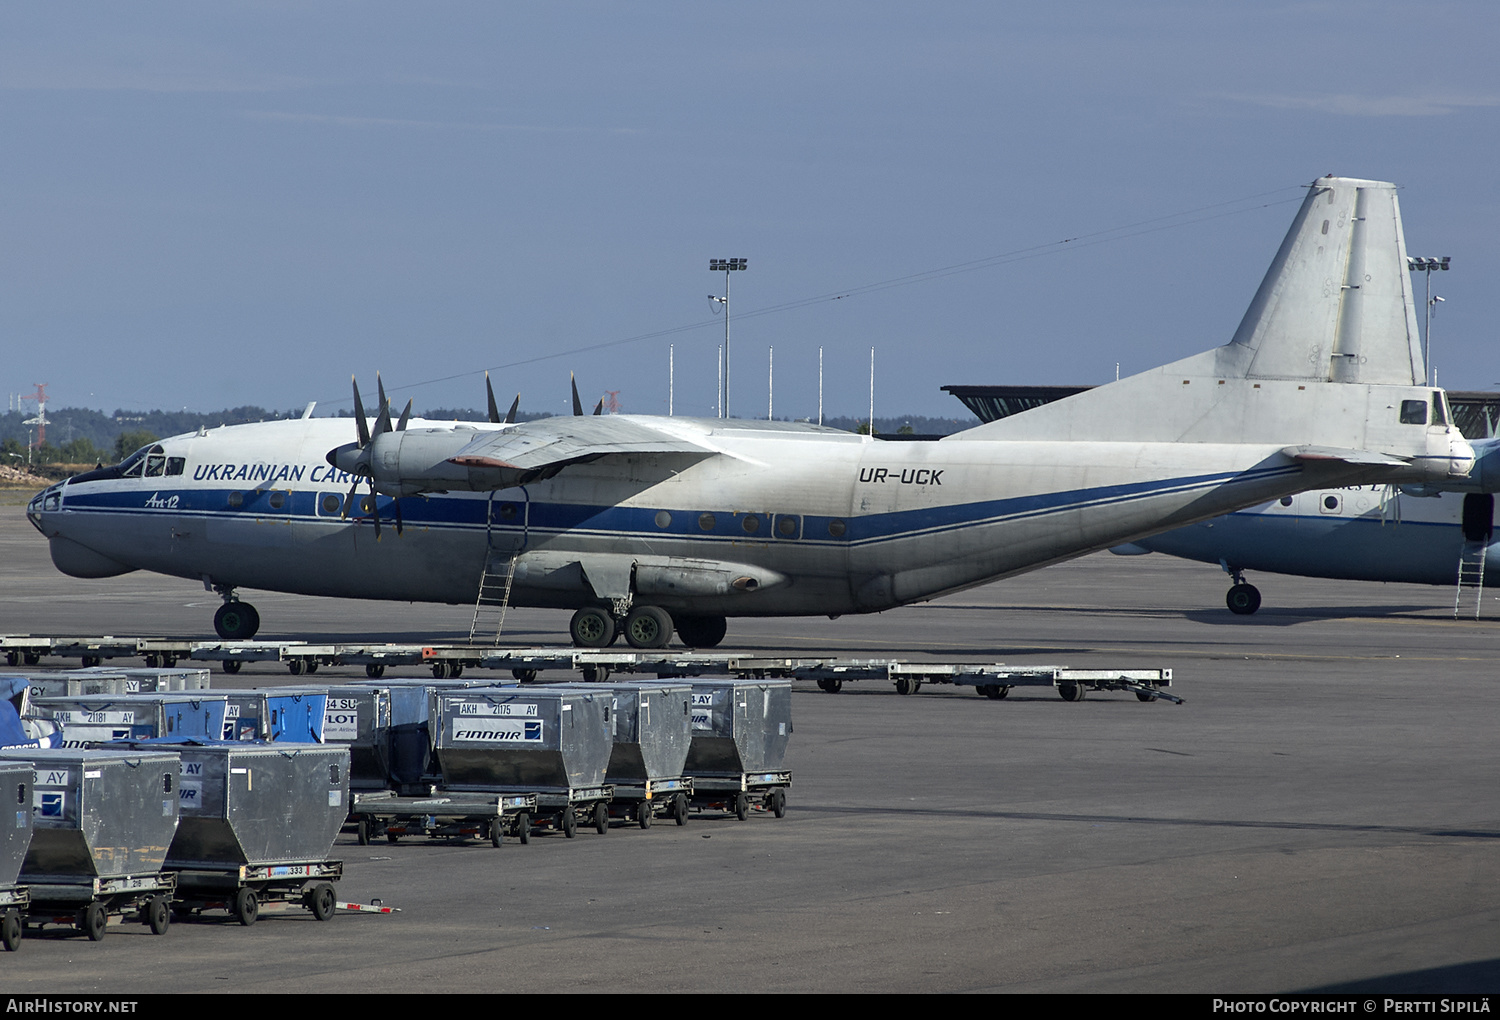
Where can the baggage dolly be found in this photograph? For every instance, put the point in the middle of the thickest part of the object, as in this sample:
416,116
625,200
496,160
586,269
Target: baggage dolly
568,807
13,904
657,798
90,905
491,816
739,794
247,890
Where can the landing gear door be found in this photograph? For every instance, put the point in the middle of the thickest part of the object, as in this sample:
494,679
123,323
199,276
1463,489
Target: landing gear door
508,520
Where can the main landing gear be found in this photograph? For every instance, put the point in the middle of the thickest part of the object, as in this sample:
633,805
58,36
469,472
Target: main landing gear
1242,598
235,620
643,627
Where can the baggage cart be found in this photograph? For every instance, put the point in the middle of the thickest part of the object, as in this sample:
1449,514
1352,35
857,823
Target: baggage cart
450,815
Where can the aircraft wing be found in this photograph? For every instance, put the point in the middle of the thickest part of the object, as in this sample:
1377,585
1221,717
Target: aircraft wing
1364,458
556,442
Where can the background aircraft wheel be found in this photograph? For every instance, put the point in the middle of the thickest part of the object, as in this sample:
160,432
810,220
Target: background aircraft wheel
1243,599
246,906
648,627
592,627
1071,692
11,930
701,631
236,621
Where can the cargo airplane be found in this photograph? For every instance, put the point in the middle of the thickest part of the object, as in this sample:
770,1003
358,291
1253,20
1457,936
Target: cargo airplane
650,525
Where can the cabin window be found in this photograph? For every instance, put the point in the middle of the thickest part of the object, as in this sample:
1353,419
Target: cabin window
663,519
751,524
507,511
1414,412
278,500
836,528
1286,501
706,522
788,525
329,504
236,500
175,465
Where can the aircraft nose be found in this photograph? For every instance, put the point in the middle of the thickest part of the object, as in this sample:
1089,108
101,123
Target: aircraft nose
46,501
1460,455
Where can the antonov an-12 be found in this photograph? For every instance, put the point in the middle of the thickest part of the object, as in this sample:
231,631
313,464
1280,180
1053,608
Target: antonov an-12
648,525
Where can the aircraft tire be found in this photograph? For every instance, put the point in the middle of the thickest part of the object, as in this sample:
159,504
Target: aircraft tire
592,627
701,631
236,621
648,627
1243,599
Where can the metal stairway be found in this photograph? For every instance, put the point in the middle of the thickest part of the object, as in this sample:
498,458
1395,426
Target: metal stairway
494,595
1470,589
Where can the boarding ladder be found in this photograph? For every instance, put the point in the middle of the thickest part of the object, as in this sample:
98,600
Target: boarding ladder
1470,578
494,594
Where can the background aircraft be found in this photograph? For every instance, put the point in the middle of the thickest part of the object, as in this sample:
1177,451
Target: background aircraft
647,524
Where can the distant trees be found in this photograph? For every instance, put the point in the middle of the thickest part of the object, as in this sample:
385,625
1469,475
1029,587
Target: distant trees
127,443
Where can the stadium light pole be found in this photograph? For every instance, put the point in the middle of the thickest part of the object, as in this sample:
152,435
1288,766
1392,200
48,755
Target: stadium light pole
726,266
1421,264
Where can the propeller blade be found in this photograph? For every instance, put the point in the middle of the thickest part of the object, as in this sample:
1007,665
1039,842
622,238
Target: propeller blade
383,422
405,417
396,503
577,404
599,407
510,416
349,499
362,426
489,391
375,509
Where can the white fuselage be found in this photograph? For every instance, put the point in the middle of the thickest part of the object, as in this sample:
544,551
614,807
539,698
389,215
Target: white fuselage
820,522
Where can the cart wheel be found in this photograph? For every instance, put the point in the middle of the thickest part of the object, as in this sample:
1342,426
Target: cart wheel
741,806
497,831
364,832
320,901
391,835
601,819
232,665
643,814
95,918
1143,696
523,827
680,809
1071,692
778,803
246,906
158,914
10,931
569,822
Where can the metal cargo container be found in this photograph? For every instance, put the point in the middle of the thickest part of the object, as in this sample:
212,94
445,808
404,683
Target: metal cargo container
525,738
146,679
90,720
358,717
99,814
652,726
71,683
16,821
257,804
739,726
410,766
278,714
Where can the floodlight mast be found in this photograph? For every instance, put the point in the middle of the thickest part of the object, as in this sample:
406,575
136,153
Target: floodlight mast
1425,265
726,266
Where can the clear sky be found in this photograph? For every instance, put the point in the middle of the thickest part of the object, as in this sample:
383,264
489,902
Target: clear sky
208,205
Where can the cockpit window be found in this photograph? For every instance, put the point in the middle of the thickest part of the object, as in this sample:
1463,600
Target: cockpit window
156,462
1414,412
1440,408
132,466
